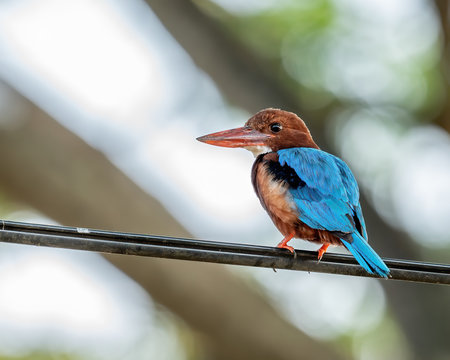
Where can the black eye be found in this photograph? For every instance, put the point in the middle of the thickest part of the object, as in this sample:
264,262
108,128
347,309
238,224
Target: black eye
275,127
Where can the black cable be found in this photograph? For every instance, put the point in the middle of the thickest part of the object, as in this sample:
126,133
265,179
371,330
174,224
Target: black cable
210,251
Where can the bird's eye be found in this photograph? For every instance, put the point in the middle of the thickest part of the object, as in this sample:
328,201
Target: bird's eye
275,127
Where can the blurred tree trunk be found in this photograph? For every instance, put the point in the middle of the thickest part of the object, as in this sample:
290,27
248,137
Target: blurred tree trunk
246,82
51,169
443,9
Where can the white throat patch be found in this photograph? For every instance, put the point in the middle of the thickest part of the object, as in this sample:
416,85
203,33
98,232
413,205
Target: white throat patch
258,150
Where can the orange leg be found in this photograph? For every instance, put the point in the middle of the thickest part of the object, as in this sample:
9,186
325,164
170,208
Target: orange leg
322,251
283,244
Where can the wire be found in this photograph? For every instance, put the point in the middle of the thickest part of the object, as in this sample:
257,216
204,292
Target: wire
210,251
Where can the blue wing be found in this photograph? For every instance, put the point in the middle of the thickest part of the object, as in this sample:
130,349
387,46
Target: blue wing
329,200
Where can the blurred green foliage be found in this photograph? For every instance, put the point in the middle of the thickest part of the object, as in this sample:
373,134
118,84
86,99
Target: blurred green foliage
43,355
330,53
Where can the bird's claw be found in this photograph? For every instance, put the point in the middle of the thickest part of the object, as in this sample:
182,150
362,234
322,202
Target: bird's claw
283,245
322,251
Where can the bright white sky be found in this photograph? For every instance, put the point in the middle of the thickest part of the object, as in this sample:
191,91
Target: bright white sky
121,79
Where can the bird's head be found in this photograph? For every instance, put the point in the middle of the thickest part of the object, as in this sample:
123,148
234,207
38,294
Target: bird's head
266,131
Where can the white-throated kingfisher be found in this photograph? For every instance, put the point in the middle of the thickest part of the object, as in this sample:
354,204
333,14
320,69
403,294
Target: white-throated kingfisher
308,193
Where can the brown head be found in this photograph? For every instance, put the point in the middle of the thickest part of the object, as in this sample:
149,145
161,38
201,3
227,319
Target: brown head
266,131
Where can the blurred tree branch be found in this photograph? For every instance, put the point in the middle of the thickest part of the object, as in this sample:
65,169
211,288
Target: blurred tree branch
236,70
51,169
443,9
245,81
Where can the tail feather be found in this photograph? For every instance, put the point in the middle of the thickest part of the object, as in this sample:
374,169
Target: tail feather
365,255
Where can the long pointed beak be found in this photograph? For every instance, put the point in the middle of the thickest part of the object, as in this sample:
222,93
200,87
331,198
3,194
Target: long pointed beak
239,137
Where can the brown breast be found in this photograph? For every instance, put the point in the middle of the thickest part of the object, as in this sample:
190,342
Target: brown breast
276,200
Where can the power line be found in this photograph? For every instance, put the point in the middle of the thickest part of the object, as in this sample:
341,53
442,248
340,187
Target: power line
210,251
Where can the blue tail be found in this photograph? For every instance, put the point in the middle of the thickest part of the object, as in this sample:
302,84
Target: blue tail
365,255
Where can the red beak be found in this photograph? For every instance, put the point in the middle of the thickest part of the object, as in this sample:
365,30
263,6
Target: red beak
239,137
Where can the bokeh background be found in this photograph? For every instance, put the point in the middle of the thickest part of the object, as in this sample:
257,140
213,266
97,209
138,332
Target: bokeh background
100,104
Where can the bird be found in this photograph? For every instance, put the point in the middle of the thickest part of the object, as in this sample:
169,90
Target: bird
308,193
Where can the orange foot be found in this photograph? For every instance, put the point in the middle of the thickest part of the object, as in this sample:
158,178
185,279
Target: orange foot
283,244
322,251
